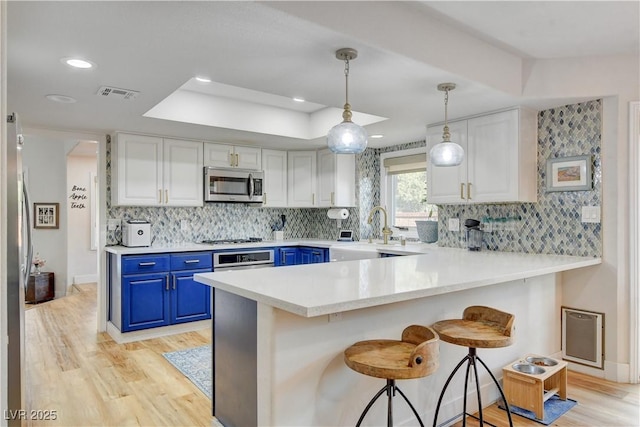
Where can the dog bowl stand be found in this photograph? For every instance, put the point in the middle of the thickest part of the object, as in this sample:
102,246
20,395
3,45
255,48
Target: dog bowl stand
530,391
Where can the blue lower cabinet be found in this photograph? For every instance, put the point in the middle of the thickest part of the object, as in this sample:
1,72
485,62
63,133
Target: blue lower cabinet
287,256
145,301
313,255
190,300
168,297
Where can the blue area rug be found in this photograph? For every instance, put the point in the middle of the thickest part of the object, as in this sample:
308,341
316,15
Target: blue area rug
195,364
553,409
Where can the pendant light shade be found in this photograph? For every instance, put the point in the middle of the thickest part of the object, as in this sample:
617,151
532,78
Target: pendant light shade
446,153
347,137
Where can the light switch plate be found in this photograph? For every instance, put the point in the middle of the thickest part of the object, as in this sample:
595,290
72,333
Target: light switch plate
454,224
591,214
113,224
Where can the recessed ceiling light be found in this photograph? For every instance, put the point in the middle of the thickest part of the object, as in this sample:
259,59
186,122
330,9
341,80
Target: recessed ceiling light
298,99
78,63
203,80
376,136
61,98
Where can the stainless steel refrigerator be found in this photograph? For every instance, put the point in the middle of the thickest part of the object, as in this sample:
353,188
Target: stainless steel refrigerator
19,257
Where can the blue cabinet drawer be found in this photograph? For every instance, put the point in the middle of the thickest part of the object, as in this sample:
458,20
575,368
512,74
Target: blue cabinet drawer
191,261
132,264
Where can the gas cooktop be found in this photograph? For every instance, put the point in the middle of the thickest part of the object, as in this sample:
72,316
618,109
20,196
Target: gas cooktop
232,241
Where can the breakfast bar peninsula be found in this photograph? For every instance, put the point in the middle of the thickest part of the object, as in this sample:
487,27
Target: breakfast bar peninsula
279,333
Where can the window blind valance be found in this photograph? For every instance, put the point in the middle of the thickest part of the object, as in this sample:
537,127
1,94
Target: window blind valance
405,164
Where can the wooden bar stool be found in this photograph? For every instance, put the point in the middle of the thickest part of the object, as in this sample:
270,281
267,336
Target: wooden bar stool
480,327
414,356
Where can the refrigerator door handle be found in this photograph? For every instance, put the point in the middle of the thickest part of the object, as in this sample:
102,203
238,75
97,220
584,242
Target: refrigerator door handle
26,269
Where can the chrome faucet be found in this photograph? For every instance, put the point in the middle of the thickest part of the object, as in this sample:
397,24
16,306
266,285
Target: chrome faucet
386,231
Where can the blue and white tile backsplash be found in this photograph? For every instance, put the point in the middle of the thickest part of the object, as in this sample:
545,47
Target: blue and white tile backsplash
550,226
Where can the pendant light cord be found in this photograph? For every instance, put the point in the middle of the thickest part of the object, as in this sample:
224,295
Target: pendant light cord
346,80
446,135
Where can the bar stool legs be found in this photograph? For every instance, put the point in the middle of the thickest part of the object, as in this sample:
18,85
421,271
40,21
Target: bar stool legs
390,388
471,359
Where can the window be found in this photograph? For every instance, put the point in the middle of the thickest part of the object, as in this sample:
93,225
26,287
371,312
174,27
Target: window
403,184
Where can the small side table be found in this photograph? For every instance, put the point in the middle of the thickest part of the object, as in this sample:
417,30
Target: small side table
40,288
530,391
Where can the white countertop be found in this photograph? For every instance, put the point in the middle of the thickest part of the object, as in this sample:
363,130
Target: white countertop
396,248
318,289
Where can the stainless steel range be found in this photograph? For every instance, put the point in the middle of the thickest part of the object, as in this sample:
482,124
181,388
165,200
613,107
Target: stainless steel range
232,241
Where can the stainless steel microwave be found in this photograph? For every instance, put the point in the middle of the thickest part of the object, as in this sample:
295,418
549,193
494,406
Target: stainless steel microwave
233,185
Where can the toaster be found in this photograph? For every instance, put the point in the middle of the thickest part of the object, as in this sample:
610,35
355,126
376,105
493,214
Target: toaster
136,232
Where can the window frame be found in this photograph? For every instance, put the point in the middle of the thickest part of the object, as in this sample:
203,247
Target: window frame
386,198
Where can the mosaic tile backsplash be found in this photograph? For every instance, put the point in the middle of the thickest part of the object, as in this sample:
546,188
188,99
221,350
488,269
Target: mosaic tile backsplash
553,224
550,226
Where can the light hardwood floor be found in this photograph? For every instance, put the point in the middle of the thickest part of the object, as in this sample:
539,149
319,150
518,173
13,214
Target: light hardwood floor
89,380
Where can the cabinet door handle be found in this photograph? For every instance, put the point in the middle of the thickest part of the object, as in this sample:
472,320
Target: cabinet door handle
469,190
264,198
313,198
333,198
166,281
166,196
237,159
146,264
159,196
192,261
174,282
231,159
462,191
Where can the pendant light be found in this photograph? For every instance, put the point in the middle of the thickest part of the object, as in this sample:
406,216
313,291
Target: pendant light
446,153
347,137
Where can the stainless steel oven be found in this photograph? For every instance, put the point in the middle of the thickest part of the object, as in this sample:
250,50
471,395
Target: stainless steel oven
243,259
233,185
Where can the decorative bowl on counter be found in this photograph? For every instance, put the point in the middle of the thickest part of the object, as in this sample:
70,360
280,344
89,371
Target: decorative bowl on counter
427,231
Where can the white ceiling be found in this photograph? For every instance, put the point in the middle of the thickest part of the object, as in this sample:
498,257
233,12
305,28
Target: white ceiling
286,49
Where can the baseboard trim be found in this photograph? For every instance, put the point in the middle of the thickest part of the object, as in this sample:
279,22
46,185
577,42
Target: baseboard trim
126,337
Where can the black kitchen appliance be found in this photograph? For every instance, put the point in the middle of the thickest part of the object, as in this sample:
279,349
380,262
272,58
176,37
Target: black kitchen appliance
473,234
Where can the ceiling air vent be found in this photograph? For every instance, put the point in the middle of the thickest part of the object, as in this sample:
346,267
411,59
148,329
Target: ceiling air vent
114,92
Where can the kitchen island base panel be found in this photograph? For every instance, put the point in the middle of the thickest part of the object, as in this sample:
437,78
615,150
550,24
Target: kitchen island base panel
301,378
234,355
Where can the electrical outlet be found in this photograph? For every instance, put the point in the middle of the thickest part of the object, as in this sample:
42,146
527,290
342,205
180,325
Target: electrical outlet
113,224
454,224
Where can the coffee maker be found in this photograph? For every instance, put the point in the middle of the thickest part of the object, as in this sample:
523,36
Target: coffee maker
473,234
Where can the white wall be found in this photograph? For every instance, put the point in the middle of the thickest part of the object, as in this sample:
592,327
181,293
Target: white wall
82,260
45,162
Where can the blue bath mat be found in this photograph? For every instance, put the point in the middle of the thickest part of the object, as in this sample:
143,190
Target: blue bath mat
195,364
553,409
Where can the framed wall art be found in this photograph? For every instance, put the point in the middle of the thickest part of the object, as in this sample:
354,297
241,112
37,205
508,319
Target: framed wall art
569,173
46,215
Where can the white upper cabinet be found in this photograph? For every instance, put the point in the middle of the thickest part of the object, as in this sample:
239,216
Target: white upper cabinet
301,176
336,179
152,171
500,162
182,172
232,156
275,178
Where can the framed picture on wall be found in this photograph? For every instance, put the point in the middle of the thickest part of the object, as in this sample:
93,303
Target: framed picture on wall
569,173
46,215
